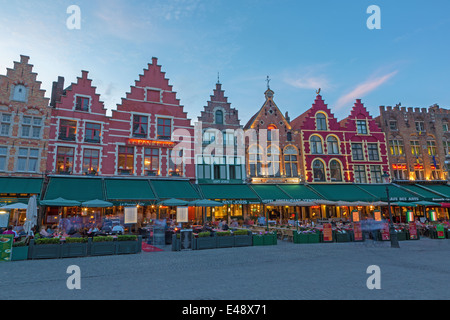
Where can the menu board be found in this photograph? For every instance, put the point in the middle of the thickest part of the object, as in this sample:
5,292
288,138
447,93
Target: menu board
440,231
412,231
327,232
4,219
385,235
6,242
182,214
130,215
355,215
357,231
377,215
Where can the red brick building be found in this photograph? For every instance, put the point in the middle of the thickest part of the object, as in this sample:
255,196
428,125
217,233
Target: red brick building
24,122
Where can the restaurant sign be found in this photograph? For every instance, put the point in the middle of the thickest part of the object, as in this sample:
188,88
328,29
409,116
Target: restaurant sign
404,199
6,241
151,143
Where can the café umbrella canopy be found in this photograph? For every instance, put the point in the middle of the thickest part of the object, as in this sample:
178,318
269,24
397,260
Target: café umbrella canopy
15,206
281,203
428,204
205,203
404,204
173,203
31,215
61,202
97,204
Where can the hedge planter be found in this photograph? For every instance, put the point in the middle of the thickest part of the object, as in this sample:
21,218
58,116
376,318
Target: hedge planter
243,241
202,243
74,250
313,237
342,237
102,246
300,237
270,239
19,253
258,240
128,244
44,249
225,241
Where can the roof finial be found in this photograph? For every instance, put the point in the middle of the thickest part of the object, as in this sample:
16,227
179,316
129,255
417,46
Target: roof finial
268,82
218,78
318,91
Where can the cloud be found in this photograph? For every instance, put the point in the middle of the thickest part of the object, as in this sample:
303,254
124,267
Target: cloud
310,77
363,89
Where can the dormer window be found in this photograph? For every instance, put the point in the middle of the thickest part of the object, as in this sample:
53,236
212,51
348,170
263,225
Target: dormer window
321,122
19,93
82,104
361,126
219,117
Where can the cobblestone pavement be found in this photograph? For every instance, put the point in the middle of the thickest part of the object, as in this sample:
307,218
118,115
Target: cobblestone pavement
418,270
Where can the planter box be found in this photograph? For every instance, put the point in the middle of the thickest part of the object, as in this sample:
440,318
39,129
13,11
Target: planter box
401,236
44,251
128,247
300,237
342,237
176,243
313,237
19,253
225,242
270,240
102,248
205,243
258,240
243,241
73,250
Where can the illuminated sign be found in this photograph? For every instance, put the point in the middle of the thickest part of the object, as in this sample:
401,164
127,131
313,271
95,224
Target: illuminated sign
151,143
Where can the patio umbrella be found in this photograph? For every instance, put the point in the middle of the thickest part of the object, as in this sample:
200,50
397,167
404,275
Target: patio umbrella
61,202
346,204
97,204
305,203
281,203
204,203
404,204
380,204
15,206
428,204
173,203
326,202
31,215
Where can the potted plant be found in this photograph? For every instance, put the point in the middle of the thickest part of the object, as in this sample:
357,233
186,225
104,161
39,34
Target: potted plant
176,242
101,246
242,238
205,240
19,251
224,239
45,248
127,244
74,247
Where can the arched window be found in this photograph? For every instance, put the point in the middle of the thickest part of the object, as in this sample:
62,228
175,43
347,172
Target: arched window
255,161
335,171
219,117
272,131
19,93
332,145
318,171
290,162
273,161
316,145
321,121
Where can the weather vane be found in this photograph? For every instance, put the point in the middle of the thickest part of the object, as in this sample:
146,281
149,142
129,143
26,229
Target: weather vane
318,91
218,77
268,82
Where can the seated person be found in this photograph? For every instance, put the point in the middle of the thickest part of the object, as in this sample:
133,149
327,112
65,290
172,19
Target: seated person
117,228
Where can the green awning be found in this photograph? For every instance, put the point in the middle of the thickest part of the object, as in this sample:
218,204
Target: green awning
442,190
427,195
395,193
270,193
79,189
229,193
178,189
124,192
10,185
300,192
343,192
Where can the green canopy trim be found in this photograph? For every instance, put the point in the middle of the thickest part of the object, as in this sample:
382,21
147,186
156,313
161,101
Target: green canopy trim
79,189
120,191
10,185
344,192
178,189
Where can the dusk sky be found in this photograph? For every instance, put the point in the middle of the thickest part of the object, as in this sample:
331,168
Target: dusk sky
300,45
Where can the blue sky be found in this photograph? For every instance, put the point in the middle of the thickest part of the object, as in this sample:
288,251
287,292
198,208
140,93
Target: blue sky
301,45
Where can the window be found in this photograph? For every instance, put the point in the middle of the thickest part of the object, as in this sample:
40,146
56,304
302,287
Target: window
332,145
235,169
289,136
255,157
435,172
176,163
415,148
321,122
375,173
360,174
272,133
126,160
204,168
27,160
219,117
418,171
372,149
273,162
357,151
335,171
67,130
316,145
393,125
5,124
361,126
151,161
93,132
209,137
164,129
220,168
19,93
396,147
431,146
420,126
3,158
445,127
290,162
446,147
400,172
82,104
64,160
318,171
91,161
229,139
31,127
140,126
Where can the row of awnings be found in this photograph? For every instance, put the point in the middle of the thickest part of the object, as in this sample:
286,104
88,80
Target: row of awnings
126,191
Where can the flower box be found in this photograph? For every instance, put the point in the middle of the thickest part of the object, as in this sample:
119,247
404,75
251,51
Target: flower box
342,237
300,237
128,244
19,253
202,243
44,249
314,237
176,243
242,240
270,239
401,236
101,246
73,250
225,241
258,240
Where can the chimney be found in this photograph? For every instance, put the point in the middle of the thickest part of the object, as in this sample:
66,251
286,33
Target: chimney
287,117
57,91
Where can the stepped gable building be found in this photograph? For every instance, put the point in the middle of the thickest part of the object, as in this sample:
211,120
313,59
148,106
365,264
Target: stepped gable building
79,130
24,122
272,154
419,142
219,149
150,133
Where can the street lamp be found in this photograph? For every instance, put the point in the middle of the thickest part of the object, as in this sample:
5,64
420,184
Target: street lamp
392,233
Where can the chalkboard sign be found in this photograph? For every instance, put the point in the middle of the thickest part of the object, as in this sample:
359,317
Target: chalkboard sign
186,239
